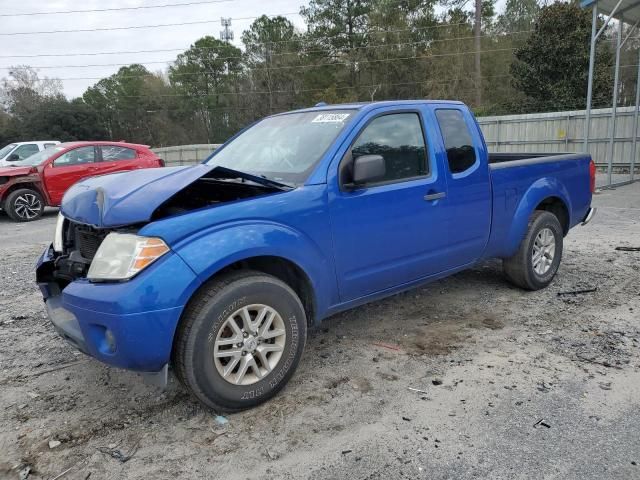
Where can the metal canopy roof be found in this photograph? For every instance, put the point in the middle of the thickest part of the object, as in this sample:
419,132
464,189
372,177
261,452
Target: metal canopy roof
627,10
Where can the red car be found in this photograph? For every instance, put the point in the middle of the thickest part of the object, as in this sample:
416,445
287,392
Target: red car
27,186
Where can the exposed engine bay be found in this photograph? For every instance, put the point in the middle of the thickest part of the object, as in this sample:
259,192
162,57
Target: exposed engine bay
211,189
81,242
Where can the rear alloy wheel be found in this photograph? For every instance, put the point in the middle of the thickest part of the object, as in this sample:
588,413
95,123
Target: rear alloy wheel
239,340
538,257
24,205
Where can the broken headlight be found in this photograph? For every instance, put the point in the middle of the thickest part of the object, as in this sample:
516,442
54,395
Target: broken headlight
58,245
123,255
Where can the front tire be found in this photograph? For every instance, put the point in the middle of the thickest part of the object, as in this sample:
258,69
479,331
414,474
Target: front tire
538,258
24,205
240,340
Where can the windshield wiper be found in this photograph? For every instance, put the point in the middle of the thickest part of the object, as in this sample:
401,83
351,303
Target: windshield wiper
260,180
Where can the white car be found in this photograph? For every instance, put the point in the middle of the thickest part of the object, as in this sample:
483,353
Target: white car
21,150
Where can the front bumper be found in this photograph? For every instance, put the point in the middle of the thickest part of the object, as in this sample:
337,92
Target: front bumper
129,324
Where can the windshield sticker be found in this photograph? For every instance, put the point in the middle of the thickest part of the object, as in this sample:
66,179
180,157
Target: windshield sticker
331,118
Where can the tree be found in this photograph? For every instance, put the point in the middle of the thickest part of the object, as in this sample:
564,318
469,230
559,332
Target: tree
134,105
36,108
272,49
337,31
208,75
551,68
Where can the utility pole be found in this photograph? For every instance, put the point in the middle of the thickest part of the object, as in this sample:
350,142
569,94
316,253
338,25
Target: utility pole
226,35
478,33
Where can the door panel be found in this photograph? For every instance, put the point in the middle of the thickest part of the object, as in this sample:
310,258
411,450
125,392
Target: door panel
67,169
469,219
389,234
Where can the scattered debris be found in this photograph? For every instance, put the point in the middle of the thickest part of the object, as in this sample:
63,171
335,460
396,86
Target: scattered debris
387,346
417,390
541,423
24,473
271,455
220,420
628,249
578,292
54,443
596,362
117,454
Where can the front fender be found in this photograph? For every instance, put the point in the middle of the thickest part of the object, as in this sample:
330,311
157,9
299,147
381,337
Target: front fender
218,247
539,191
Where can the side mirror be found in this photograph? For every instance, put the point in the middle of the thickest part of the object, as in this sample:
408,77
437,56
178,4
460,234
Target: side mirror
368,169
14,157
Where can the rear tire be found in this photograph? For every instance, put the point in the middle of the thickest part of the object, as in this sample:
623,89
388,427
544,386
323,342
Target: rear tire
240,340
539,254
24,205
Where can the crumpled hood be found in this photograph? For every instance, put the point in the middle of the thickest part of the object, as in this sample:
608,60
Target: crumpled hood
127,198
14,171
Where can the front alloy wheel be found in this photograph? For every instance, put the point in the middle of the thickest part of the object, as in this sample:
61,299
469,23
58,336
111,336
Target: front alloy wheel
250,344
24,205
239,340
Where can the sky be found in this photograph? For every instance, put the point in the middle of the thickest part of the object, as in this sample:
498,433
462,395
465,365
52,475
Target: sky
57,54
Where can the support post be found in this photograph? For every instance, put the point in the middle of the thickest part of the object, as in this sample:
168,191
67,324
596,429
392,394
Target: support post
614,106
592,61
478,44
635,122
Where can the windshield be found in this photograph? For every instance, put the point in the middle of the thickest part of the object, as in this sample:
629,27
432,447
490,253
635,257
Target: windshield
7,149
37,158
284,148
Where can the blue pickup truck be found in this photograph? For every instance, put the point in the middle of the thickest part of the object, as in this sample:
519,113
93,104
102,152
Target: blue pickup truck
219,269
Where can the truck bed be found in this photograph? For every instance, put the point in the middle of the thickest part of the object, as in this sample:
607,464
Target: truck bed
516,179
500,158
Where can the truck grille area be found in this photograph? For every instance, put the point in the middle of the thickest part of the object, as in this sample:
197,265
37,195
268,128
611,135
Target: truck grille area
81,243
87,241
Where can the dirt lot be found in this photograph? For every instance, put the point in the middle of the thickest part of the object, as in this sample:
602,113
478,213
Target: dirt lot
466,378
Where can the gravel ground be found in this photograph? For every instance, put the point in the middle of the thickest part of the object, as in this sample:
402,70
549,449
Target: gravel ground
465,378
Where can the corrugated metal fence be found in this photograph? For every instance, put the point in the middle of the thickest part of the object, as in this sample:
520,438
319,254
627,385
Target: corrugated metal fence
564,132
185,154
538,132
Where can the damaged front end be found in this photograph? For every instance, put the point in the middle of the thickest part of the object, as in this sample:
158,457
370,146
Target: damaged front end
117,203
128,320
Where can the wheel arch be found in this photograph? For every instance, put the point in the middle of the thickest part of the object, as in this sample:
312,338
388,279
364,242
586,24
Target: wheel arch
545,194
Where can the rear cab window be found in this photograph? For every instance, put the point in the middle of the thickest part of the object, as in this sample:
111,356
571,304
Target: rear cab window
458,143
399,139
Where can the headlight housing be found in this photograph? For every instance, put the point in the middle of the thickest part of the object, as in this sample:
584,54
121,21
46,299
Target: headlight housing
58,244
123,255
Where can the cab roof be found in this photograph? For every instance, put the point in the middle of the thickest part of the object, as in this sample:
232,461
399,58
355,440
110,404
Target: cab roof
365,106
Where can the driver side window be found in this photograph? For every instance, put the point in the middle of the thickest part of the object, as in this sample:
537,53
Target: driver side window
76,156
398,138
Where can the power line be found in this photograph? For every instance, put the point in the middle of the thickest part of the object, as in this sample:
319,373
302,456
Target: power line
426,43
133,27
118,9
293,67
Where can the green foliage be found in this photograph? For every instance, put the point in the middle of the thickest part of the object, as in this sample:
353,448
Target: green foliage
551,68
207,75
533,58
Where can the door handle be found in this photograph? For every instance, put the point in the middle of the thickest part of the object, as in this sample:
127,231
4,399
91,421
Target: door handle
435,196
